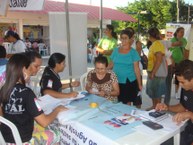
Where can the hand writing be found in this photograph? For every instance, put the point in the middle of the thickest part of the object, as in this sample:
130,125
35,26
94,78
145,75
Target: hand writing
75,84
161,107
73,94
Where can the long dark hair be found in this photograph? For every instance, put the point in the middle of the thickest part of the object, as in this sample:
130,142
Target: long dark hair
155,33
178,30
55,58
13,34
14,73
2,52
113,33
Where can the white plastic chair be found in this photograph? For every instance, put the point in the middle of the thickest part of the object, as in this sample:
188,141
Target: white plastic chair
35,80
43,50
6,45
14,131
83,79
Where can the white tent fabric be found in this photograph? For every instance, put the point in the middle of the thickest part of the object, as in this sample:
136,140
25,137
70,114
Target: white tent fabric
78,37
3,7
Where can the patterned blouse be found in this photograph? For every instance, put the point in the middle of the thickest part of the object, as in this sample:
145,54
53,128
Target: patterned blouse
104,84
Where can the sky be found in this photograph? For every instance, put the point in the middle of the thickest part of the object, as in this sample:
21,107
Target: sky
109,3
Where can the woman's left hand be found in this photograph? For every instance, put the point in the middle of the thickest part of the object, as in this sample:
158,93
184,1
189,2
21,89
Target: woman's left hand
75,84
101,93
151,75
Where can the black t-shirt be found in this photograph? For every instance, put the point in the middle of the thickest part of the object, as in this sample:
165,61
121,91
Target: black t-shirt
21,109
187,101
50,80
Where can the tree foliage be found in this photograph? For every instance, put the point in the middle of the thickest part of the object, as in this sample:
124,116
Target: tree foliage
159,12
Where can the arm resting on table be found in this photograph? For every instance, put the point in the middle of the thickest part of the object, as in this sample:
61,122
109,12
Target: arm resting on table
56,94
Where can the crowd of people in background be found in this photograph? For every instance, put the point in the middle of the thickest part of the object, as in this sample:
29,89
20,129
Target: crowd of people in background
17,45
117,76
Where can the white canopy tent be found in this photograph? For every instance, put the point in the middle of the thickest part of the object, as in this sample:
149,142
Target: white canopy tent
34,5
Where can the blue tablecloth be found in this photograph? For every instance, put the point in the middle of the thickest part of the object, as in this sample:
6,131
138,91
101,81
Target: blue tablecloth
110,119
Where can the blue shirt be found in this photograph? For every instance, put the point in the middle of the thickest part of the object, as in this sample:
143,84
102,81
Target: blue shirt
3,61
124,65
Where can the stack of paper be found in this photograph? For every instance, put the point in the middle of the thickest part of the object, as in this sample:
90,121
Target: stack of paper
48,103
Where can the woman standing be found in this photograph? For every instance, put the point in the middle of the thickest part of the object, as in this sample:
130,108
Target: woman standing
155,86
125,64
50,82
178,48
102,81
178,45
108,42
19,104
17,45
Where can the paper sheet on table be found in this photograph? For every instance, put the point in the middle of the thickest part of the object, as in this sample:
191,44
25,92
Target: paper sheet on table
145,130
169,124
112,120
72,114
137,112
48,103
79,96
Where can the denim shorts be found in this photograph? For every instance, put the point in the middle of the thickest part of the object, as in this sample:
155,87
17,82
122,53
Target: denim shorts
156,87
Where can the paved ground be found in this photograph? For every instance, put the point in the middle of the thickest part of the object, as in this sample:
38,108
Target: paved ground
146,101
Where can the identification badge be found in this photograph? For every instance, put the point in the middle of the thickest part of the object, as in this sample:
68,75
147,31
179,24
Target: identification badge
37,104
50,82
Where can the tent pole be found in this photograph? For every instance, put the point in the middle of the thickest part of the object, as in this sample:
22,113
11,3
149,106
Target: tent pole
68,42
101,18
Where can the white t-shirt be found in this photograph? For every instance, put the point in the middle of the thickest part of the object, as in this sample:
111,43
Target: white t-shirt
167,44
189,45
17,47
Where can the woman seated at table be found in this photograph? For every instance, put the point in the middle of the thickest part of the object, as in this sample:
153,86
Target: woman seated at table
101,81
50,82
19,104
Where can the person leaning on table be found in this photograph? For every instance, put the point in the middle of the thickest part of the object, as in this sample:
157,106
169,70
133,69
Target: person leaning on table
50,82
101,81
183,110
46,133
19,104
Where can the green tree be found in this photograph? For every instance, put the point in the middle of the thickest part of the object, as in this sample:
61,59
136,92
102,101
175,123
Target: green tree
159,13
